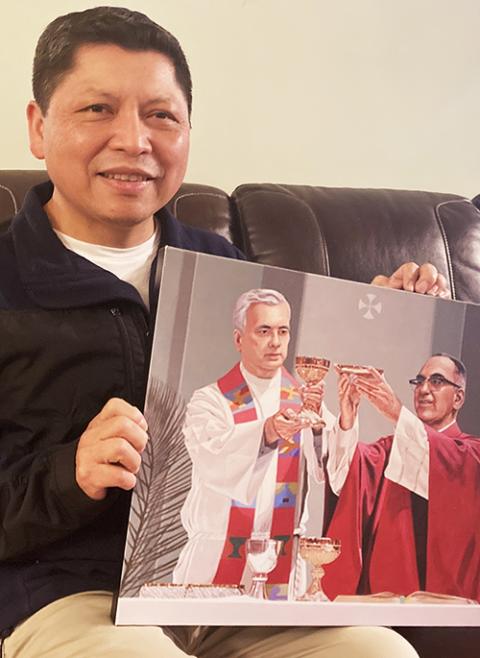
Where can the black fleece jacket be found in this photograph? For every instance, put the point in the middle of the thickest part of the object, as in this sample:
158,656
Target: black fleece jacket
72,336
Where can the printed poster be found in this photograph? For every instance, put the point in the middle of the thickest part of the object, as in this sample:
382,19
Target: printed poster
313,455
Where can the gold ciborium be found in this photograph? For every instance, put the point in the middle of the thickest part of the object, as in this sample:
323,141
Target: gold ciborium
312,370
318,551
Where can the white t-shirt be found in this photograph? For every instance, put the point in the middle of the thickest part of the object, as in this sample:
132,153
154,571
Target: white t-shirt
131,264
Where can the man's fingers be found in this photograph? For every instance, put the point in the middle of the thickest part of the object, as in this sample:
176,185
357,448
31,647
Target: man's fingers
111,451
117,426
118,407
108,452
368,389
122,460
402,279
385,281
406,276
104,477
426,280
423,279
442,289
343,385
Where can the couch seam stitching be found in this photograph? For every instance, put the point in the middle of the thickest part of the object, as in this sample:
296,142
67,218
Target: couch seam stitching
285,191
446,242
12,196
187,194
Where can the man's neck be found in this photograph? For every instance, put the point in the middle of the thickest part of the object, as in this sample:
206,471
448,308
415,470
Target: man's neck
264,377
445,427
106,233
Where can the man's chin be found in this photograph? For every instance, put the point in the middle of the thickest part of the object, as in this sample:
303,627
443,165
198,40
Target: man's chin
426,416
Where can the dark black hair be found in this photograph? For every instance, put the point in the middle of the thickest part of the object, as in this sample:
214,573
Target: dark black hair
460,368
56,48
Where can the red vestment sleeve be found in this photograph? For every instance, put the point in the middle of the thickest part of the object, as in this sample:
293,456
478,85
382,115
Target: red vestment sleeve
356,517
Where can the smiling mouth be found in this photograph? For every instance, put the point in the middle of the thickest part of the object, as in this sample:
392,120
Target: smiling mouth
130,178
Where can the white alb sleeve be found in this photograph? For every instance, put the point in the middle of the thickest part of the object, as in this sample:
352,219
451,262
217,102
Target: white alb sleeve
341,447
408,464
224,455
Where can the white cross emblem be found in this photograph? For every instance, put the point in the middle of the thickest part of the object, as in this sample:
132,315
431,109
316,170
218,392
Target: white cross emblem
370,309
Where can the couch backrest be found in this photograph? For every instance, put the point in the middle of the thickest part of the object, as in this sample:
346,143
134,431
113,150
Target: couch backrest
357,233
344,232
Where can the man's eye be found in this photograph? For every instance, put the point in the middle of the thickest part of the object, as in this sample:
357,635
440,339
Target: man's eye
96,107
436,380
162,114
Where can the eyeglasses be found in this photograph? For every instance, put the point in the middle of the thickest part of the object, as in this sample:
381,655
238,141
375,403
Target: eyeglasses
435,381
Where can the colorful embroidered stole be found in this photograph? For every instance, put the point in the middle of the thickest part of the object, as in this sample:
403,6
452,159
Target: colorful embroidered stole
240,523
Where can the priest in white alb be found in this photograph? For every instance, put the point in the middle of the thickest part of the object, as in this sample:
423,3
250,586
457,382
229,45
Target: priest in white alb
245,438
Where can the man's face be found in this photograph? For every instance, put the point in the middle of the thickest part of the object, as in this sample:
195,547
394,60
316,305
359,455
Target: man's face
263,344
438,406
115,140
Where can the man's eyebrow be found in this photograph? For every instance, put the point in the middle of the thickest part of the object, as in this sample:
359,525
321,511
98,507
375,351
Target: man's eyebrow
159,99
268,326
99,93
94,91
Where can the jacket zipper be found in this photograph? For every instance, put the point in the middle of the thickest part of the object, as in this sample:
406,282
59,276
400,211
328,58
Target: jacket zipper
127,351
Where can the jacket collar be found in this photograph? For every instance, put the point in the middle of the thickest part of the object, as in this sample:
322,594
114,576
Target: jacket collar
55,277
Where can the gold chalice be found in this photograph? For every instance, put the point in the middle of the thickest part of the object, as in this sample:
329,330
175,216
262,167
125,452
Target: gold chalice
318,551
312,370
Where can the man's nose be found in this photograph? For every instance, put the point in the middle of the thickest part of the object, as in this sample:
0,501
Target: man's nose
424,387
130,134
275,338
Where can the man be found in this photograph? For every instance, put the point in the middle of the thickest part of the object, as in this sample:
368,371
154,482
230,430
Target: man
245,436
111,120
388,482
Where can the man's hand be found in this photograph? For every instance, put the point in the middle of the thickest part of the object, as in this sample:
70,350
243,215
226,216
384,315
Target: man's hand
108,453
379,393
348,398
312,396
424,279
284,425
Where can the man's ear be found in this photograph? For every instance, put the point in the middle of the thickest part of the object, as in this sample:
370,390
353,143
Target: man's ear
35,129
237,339
459,398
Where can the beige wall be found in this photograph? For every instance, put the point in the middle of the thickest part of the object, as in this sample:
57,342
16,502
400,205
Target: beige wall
378,93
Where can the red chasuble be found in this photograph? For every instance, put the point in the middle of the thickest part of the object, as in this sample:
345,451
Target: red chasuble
374,520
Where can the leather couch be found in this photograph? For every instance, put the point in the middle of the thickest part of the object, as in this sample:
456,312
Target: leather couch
342,232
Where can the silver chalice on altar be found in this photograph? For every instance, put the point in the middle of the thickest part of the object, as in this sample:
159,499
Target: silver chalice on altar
312,370
318,551
262,554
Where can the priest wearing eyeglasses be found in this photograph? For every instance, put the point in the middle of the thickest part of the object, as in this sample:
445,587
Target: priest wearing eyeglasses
408,506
